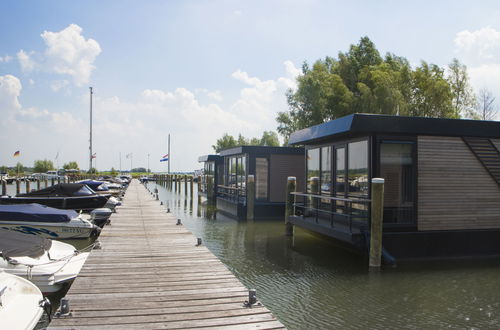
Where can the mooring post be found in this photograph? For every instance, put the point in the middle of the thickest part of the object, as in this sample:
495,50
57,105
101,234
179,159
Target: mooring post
291,184
174,178
250,196
185,185
191,186
46,181
4,187
377,215
37,184
18,186
27,183
53,181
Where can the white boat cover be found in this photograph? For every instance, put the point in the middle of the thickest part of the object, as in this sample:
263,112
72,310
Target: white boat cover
15,244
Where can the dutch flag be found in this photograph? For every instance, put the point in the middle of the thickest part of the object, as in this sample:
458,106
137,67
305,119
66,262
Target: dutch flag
164,158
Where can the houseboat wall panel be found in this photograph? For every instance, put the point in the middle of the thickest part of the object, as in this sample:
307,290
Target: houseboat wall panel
496,142
283,166
455,191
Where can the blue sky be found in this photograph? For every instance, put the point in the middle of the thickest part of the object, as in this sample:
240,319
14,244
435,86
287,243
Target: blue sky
197,69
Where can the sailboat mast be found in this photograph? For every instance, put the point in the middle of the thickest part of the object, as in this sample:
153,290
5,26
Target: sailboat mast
90,148
169,156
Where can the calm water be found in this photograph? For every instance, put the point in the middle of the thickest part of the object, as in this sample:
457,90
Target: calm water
308,282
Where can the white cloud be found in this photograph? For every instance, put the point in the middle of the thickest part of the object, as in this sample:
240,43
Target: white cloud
31,82
25,60
216,96
58,84
10,89
5,59
478,46
68,52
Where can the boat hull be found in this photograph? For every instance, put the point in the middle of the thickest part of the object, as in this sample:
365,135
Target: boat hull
53,230
84,203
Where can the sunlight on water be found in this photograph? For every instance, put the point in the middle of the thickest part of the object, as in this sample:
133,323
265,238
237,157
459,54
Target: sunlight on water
308,282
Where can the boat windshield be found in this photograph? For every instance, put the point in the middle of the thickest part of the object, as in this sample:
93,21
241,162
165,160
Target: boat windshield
83,191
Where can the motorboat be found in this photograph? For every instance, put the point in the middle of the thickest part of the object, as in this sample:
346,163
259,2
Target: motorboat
72,196
102,187
21,303
46,263
45,221
100,216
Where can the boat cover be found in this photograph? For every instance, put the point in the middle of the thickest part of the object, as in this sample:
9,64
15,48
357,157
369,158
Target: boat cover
95,185
15,244
35,213
61,190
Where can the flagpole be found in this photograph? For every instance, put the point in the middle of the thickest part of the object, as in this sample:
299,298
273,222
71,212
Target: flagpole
120,163
169,156
90,168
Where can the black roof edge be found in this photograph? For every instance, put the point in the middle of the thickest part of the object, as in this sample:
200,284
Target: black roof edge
261,150
209,158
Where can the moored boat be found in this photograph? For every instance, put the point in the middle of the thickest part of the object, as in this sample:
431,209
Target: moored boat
21,303
46,263
46,221
72,196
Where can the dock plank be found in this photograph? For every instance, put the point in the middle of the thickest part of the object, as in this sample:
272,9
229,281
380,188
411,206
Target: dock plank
149,273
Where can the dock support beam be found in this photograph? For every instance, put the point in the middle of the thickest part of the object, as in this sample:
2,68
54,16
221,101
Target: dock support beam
291,185
377,215
4,187
250,196
191,186
27,183
185,185
18,186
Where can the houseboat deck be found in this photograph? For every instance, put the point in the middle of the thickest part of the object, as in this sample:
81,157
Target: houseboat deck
150,274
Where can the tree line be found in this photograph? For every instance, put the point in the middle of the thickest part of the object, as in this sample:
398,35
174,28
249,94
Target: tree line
39,166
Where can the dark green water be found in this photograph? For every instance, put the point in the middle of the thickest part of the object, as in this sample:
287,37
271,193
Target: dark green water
308,282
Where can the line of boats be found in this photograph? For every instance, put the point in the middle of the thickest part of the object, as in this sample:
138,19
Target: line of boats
33,263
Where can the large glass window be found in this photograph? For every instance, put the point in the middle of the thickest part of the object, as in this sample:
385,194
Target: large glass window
397,168
236,172
358,169
340,180
312,166
261,173
326,177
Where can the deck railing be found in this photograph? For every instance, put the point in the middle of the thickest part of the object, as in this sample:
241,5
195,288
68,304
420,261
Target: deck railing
336,210
233,194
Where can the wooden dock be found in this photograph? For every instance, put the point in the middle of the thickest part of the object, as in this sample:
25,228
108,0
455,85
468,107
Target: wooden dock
150,274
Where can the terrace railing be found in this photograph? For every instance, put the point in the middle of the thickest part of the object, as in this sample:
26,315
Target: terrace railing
233,194
333,211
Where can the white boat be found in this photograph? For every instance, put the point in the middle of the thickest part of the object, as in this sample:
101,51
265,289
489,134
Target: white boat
48,264
46,221
21,303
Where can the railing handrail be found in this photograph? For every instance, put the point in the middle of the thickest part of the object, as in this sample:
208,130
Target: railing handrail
230,188
351,200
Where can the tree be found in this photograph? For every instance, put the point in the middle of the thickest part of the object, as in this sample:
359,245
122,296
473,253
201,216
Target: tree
113,172
485,106
42,166
19,168
226,142
464,100
4,169
71,165
139,170
93,170
270,139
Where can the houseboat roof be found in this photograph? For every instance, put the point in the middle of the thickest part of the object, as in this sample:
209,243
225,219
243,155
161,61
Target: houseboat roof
262,150
209,158
357,124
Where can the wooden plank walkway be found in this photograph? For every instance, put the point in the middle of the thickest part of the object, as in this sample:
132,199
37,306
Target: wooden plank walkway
150,274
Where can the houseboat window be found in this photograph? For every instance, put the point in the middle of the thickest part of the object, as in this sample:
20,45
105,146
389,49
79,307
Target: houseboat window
397,168
241,172
232,172
261,173
339,190
326,176
312,166
358,169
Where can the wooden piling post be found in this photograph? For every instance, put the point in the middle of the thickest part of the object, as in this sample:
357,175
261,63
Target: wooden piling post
185,185
46,182
191,186
291,185
250,196
37,184
18,186
27,183
377,215
4,187
53,181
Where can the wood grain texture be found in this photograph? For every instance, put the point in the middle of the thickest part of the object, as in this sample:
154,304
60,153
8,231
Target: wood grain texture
454,189
150,275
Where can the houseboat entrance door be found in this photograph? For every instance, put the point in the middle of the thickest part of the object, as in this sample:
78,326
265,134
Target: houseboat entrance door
397,167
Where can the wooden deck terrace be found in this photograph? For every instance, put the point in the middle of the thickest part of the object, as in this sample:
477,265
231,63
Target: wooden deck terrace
149,274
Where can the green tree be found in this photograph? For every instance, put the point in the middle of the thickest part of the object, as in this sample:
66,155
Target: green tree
4,169
464,100
113,172
485,107
71,165
225,142
19,168
42,166
93,170
270,139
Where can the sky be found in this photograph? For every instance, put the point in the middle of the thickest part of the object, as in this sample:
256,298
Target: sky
197,69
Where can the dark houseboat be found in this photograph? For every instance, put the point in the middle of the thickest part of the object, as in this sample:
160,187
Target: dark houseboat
70,196
442,183
270,167
213,172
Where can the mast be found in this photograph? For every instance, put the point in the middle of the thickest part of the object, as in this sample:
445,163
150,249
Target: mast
169,156
90,148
